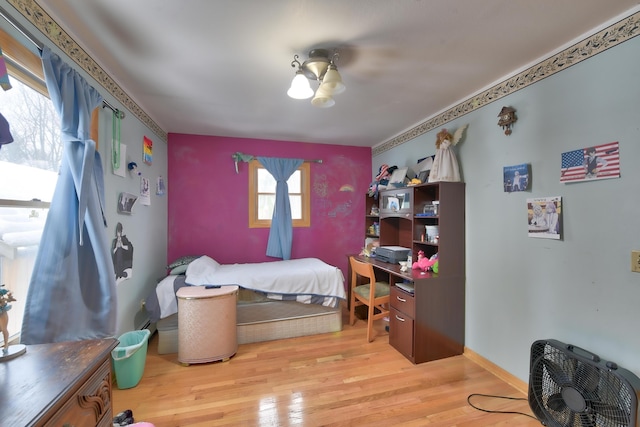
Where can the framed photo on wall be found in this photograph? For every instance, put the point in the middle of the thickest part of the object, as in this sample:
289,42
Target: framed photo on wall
544,217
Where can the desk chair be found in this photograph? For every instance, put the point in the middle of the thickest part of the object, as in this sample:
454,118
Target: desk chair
375,297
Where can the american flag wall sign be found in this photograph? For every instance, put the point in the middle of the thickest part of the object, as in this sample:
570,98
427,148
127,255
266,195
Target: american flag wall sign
596,162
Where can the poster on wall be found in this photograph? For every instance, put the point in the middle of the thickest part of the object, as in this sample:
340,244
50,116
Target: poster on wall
126,202
147,150
515,178
591,163
145,192
544,217
122,255
160,186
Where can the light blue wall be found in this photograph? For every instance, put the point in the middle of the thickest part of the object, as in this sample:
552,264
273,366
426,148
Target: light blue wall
147,226
579,290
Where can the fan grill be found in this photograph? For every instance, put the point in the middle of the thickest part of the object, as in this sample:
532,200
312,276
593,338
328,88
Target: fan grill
570,390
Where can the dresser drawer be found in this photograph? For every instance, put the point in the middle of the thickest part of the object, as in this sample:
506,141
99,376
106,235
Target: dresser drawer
403,301
91,405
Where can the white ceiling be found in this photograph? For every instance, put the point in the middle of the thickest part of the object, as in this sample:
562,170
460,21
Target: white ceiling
215,67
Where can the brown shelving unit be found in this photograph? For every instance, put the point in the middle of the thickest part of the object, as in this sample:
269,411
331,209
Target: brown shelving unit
370,218
428,324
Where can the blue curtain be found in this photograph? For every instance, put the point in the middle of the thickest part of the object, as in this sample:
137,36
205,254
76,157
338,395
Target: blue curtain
281,232
72,293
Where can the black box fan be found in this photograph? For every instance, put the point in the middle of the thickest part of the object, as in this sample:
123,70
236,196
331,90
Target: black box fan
572,387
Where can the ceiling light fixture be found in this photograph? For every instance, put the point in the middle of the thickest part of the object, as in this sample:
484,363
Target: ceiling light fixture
319,67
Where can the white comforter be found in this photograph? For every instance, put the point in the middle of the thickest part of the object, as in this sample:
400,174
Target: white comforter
305,278
296,276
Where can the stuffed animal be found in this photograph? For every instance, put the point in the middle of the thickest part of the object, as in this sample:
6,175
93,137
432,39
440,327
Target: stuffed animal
423,263
384,173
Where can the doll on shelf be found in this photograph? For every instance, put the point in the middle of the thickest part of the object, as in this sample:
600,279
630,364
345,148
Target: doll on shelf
445,164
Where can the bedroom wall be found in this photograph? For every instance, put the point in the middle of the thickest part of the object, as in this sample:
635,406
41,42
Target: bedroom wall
580,289
146,227
208,201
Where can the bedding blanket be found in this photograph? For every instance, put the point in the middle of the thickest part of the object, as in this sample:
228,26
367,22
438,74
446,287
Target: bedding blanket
306,280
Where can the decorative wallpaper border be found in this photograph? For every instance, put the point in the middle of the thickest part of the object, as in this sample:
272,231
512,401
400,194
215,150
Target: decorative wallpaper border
609,37
41,20
599,42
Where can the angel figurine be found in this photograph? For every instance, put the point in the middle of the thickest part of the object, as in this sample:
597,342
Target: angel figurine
445,165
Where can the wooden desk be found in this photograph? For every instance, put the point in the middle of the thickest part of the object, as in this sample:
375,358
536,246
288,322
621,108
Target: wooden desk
429,324
58,384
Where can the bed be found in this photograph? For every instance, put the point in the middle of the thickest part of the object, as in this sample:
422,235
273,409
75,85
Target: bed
278,299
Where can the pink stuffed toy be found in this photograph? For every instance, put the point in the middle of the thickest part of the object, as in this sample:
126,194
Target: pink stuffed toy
423,262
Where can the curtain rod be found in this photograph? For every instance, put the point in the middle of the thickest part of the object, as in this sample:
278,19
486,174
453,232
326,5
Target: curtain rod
241,157
26,33
117,111
39,45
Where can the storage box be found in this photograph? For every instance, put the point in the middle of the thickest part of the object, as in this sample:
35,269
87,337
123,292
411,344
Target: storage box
207,319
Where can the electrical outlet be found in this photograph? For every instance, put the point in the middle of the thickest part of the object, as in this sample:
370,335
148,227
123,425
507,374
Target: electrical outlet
635,261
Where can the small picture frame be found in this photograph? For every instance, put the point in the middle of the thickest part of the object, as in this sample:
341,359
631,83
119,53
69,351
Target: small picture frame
393,203
424,176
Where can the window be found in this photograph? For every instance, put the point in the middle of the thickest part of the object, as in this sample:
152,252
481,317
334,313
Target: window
28,171
262,195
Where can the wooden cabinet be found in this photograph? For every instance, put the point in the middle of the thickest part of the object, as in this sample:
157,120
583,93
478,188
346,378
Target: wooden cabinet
59,384
430,322
401,321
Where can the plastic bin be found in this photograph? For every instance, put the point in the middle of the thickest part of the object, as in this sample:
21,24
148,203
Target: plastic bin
129,358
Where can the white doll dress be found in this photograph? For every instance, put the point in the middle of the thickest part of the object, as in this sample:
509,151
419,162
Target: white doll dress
445,165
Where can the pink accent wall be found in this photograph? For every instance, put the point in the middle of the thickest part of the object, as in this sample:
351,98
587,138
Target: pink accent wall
208,201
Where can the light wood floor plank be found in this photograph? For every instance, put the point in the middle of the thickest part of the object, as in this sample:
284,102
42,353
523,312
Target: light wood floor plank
335,379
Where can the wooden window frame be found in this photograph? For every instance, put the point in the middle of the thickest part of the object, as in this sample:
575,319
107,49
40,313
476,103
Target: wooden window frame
305,186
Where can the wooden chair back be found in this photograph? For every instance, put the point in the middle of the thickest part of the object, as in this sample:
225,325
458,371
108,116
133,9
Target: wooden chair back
366,290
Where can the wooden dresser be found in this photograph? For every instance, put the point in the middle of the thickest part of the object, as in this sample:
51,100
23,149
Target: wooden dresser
59,384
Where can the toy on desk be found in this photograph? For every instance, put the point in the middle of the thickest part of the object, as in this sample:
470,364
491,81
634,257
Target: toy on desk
424,263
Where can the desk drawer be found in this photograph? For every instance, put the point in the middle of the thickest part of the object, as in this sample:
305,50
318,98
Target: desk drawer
403,301
401,333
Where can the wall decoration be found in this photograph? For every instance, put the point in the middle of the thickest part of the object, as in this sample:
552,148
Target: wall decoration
122,255
516,178
507,118
126,202
145,193
445,163
160,187
121,169
544,217
591,163
133,169
147,150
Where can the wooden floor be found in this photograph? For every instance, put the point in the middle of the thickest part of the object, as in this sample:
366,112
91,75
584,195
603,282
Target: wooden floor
325,380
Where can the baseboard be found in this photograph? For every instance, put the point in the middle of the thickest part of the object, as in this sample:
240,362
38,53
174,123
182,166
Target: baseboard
496,370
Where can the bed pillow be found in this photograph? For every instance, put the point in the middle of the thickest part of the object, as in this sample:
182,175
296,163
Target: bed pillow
183,260
200,271
181,269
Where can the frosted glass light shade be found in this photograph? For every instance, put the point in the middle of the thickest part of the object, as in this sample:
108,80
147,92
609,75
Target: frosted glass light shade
300,88
333,81
323,98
